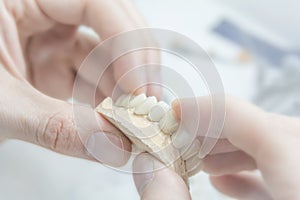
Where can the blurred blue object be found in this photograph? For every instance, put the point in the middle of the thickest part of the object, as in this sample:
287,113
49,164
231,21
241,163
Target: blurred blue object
278,82
259,47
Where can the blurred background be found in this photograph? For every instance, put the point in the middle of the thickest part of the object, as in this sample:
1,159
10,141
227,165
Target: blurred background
255,47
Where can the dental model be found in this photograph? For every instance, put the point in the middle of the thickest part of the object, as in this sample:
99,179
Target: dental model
149,125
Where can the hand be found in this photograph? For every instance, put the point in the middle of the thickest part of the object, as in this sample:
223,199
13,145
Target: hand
41,51
251,139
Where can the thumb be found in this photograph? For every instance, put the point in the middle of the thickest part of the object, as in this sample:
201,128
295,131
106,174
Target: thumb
59,126
154,181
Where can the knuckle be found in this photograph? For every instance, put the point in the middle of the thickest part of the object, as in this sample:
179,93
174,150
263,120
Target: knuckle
58,132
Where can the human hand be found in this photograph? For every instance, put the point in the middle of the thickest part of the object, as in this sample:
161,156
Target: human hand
251,139
41,51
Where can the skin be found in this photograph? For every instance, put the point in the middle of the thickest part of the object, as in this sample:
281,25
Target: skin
251,139
41,51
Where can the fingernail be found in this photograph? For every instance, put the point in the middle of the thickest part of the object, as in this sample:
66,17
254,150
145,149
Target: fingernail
106,148
193,162
181,139
206,147
191,150
197,168
202,154
143,166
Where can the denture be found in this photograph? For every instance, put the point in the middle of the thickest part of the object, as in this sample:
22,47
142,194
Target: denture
149,125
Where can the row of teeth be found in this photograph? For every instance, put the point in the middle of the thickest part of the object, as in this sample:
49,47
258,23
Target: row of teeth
155,111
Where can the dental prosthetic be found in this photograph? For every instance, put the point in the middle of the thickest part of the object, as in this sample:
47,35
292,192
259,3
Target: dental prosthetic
149,125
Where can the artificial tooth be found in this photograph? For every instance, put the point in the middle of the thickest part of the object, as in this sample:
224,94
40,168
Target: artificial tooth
125,101
145,107
107,103
137,100
119,100
158,111
168,124
149,139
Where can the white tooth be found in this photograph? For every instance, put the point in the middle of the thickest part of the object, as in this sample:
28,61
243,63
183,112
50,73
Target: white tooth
168,124
119,100
107,103
137,100
145,107
125,101
158,111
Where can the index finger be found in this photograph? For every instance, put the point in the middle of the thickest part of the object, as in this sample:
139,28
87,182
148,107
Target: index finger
107,18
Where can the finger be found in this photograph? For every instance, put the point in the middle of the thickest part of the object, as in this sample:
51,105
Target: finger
127,77
53,78
136,72
155,88
228,163
132,12
86,93
241,186
62,51
105,84
195,170
10,48
243,121
194,120
155,181
129,74
150,57
50,56
217,163
182,140
87,66
248,132
122,73
222,146
100,15
71,130
192,150
193,165
258,134
84,44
